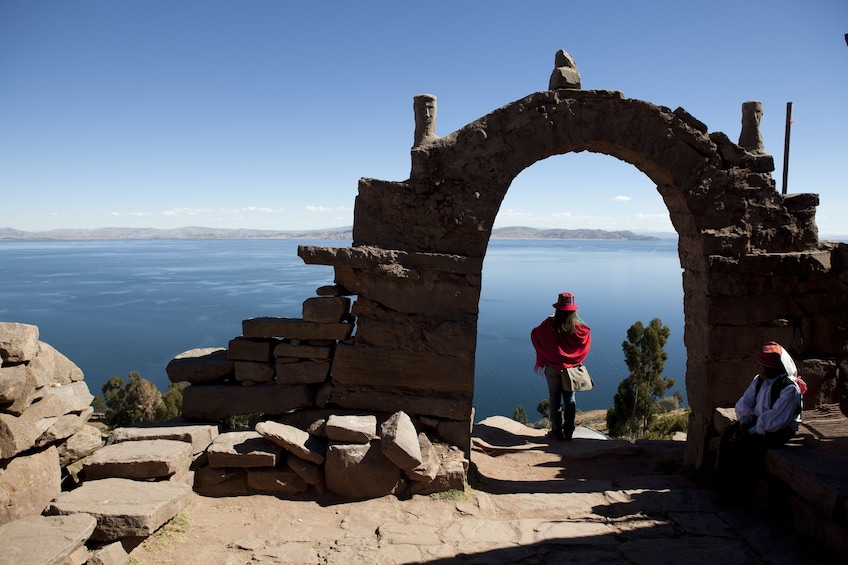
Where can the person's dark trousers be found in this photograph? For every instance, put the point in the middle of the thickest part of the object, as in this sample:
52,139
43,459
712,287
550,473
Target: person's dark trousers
563,409
740,458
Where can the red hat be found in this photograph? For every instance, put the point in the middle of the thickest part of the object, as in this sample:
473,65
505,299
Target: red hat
565,302
770,356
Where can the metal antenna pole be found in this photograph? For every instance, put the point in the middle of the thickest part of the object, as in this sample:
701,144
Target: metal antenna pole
786,146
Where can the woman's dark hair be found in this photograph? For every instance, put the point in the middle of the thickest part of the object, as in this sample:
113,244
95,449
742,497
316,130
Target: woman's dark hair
564,321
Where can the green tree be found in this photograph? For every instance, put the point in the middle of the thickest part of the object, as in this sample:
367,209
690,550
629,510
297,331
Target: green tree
172,402
544,407
636,402
128,403
520,414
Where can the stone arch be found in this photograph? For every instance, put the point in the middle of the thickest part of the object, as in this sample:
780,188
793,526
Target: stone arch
754,269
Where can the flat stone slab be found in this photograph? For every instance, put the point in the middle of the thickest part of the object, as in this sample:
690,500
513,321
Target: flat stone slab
123,507
44,540
243,449
200,436
144,459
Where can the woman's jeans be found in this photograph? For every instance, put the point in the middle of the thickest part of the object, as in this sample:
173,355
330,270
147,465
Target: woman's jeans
561,424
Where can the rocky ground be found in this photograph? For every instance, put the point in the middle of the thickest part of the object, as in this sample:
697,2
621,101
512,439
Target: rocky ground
531,500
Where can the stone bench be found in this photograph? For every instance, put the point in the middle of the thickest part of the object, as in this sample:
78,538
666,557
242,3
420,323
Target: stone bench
805,484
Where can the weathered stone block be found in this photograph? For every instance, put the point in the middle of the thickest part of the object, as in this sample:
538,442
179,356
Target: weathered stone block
294,328
204,365
429,467
123,507
302,372
249,371
18,342
209,481
359,472
326,309
352,429
112,554
144,459
399,441
217,401
37,540
393,368
303,351
243,449
19,433
82,444
12,382
295,440
49,366
276,482
244,349
310,472
75,396
28,484
198,435
452,407
64,427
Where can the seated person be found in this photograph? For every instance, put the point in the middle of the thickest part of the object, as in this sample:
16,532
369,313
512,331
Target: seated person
768,415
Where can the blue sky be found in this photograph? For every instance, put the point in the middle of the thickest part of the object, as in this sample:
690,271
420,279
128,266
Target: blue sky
264,114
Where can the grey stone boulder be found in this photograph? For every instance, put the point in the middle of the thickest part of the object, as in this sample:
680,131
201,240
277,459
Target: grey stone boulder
124,508
75,396
51,367
112,554
310,472
19,433
64,427
28,483
277,481
243,449
351,429
18,342
82,444
359,472
400,441
295,440
45,540
13,379
146,459
200,436
202,365
429,468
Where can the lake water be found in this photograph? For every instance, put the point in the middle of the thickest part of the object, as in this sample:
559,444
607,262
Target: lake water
114,307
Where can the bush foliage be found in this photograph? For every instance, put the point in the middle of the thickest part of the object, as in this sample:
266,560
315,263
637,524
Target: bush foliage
126,403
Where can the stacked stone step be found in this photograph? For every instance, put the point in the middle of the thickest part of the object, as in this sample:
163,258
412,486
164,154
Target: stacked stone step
139,481
45,407
354,456
276,365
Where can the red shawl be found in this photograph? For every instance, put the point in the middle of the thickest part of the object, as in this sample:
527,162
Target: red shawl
560,350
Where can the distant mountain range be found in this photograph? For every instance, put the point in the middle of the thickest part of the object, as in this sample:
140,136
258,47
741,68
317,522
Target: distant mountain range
344,233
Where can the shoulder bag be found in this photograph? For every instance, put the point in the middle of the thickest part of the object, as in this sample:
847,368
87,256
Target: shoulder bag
577,379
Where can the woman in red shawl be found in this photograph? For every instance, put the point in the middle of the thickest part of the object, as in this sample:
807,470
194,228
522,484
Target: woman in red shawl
561,341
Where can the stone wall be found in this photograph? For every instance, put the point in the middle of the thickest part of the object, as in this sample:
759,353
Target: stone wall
45,407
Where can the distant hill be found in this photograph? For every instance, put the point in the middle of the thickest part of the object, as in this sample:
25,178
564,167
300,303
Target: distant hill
178,233
343,233
533,233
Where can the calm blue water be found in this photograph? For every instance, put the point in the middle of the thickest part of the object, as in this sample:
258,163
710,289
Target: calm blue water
114,307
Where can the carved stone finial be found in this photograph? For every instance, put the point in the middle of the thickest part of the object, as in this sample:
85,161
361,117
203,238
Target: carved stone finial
750,139
565,74
424,106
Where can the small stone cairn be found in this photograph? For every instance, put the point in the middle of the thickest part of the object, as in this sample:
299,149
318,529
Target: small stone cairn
279,369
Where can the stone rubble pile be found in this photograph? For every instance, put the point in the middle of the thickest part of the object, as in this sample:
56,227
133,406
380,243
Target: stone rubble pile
282,371
354,456
45,407
46,443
